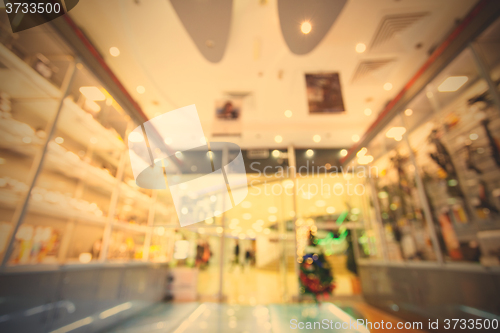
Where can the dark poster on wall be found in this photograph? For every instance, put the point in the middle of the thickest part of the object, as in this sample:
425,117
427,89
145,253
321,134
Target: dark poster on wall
324,94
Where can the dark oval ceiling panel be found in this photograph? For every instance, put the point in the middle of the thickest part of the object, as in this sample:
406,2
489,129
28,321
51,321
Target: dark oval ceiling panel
319,13
208,23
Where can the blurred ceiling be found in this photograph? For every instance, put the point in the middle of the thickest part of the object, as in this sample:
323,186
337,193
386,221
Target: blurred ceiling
157,52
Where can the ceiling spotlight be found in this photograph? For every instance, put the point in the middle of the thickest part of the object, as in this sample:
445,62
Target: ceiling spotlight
278,138
141,89
288,113
452,83
309,153
362,152
360,47
305,27
316,138
366,159
388,86
355,138
272,210
368,111
330,210
343,152
396,133
408,112
276,153
114,51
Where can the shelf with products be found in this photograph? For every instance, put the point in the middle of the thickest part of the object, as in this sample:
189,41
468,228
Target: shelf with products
21,81
84,169
445,143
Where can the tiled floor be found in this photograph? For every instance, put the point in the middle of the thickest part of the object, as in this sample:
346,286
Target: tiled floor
253,286
277,318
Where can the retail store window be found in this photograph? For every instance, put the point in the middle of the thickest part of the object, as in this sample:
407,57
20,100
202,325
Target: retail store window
458,156
405,229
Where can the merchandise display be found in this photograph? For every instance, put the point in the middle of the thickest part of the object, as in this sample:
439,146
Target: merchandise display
437,163
85,185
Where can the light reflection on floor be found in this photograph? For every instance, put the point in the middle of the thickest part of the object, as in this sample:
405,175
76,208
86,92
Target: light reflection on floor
222,318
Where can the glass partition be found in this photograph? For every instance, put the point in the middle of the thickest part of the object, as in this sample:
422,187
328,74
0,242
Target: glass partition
84,205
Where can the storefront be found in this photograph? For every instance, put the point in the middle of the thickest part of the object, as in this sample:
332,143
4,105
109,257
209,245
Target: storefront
434,207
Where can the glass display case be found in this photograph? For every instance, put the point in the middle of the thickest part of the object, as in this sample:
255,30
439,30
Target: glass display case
437,179
67,191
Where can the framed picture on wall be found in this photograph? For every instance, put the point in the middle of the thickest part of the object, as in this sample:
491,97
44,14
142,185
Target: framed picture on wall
228,112
324,94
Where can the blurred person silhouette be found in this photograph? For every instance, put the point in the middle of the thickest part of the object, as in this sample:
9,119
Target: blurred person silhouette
236,260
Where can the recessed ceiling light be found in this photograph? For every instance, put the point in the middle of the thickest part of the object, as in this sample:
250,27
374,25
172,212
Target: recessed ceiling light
288,113
141,89
309,153
320,203
330,210
276,153
92,93
305,27
388,86
114,51
473,136
360,47
168,141
343,152
368,111
408,112
272,210
362,152
59,140
316,138
395,132
365,159
452,83
278,138
355,138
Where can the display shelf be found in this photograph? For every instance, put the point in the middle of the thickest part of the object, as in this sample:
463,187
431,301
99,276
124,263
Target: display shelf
78,125
70,165
30,91
131,227
21,81
9,199
143,199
